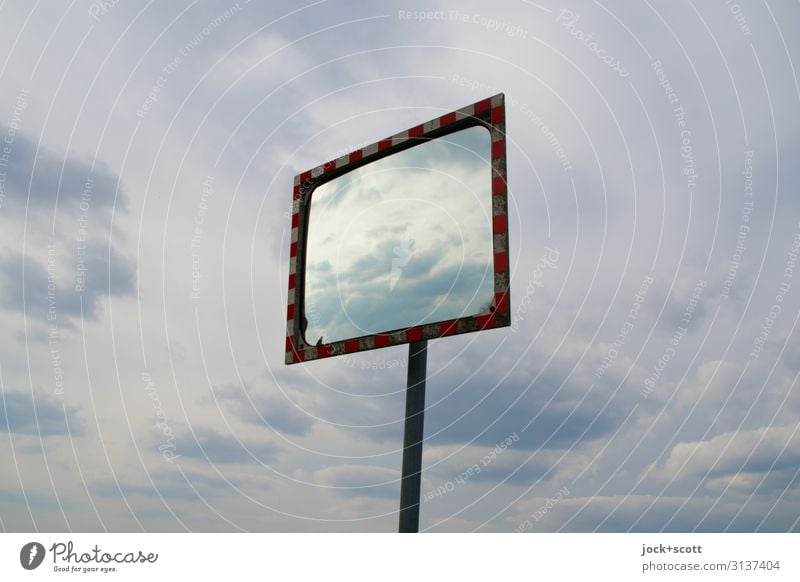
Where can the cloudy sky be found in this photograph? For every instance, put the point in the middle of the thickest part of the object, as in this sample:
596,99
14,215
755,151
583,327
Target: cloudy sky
649,381
404,241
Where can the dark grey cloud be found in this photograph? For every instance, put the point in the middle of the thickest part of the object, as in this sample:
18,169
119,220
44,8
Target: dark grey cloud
484,412
69,203
421,265
472,403
24,283
379,262
273,411
44,288
34,413
524,474
208,445
48,181
171,499
36,500
415,298
371,266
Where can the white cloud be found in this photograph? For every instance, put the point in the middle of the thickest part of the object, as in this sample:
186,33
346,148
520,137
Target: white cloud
729,454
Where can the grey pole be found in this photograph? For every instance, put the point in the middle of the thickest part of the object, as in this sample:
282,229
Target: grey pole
412,437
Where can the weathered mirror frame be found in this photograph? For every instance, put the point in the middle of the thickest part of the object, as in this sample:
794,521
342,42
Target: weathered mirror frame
491,114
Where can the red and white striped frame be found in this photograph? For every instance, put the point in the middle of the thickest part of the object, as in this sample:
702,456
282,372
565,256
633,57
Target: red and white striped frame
489,113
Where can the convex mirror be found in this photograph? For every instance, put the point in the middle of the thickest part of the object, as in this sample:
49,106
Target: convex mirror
403,240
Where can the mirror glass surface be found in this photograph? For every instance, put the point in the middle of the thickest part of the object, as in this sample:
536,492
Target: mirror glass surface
402,241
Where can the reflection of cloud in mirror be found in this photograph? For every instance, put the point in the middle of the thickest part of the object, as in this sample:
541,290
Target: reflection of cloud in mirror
402,256
403,241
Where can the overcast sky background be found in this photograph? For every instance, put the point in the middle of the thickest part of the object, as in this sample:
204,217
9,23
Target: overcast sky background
146,168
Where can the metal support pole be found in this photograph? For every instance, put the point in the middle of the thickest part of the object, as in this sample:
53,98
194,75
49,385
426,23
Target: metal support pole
412,437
